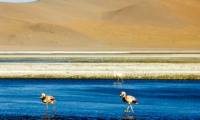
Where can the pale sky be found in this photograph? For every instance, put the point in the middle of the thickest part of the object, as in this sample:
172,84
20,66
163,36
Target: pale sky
17,1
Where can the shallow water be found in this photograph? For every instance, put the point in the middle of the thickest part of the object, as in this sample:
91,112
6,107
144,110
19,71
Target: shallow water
99,99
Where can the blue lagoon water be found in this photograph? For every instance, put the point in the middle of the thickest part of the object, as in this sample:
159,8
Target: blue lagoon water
99,99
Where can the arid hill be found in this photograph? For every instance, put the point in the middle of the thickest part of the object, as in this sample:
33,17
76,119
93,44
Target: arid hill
75,25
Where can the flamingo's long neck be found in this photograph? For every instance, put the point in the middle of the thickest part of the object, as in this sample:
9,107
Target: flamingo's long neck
123,98
44,99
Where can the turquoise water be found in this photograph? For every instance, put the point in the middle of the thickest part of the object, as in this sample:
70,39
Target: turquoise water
99,99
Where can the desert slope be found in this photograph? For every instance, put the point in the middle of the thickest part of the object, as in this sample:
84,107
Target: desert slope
168,13
100,25
145,13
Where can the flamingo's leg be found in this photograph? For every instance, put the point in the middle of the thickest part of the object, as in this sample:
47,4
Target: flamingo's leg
126,109
47,109
54,106
122,79
132,109
117,79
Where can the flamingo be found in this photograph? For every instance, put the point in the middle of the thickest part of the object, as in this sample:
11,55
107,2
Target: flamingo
129,100
48,100
118,75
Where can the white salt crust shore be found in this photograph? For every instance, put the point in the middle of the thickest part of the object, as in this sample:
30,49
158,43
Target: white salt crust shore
101,70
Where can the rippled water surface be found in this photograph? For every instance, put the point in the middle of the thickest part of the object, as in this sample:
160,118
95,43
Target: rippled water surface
99,99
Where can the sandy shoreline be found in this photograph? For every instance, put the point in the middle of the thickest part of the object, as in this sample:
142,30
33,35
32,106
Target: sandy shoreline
103,56
97,51
99,65
101,70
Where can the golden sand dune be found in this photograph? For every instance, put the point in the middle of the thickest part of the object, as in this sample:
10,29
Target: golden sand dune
100,25
159,13
145,13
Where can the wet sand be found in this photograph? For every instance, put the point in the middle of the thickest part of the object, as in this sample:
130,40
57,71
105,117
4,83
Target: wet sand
101,65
